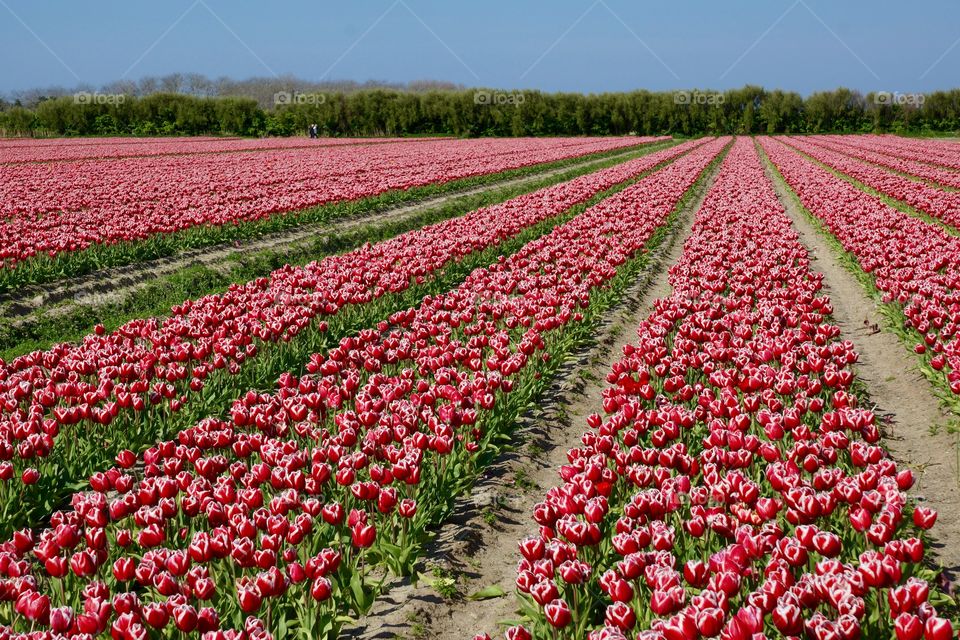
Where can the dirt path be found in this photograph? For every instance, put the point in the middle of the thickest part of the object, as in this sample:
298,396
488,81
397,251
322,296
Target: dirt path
913,423
114,284
477,548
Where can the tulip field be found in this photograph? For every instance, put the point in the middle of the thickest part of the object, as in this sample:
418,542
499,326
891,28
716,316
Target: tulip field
732,485
270,459
33,151
70,215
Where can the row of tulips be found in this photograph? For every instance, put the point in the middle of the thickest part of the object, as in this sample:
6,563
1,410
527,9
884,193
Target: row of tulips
284,518
67,410
860,147
941,153
53,208
89,149
914,265
43,267
733,488
937,203
18,143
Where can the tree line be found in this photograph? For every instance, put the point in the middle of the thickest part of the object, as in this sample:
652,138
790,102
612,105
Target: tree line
386,111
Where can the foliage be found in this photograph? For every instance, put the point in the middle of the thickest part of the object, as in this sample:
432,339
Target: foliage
387,111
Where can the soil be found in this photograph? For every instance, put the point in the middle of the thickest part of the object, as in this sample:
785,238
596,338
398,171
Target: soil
478,546
114,284
913,422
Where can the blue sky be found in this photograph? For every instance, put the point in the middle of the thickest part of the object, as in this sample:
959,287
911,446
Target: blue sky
553,45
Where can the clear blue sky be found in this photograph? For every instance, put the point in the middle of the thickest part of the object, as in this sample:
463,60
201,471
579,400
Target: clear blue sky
553,45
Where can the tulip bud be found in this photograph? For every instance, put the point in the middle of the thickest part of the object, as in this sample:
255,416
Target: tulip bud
321,589
924,517
517,633
61,619
557,613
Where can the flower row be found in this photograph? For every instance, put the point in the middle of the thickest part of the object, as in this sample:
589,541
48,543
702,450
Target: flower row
52,208
733,488
914,264
66,149
861,147
940,204
934,152
290,510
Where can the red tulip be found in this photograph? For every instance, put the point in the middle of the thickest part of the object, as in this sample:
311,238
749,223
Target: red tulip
788,619
924,517
320,589
249,598
363,535
936,628
185,618
710,621
619,615
156,615
123,569
517,633
557,613
126,459
61,619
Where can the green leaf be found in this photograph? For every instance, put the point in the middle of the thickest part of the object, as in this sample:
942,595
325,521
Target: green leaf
507,622
359,595
488,593
389,549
